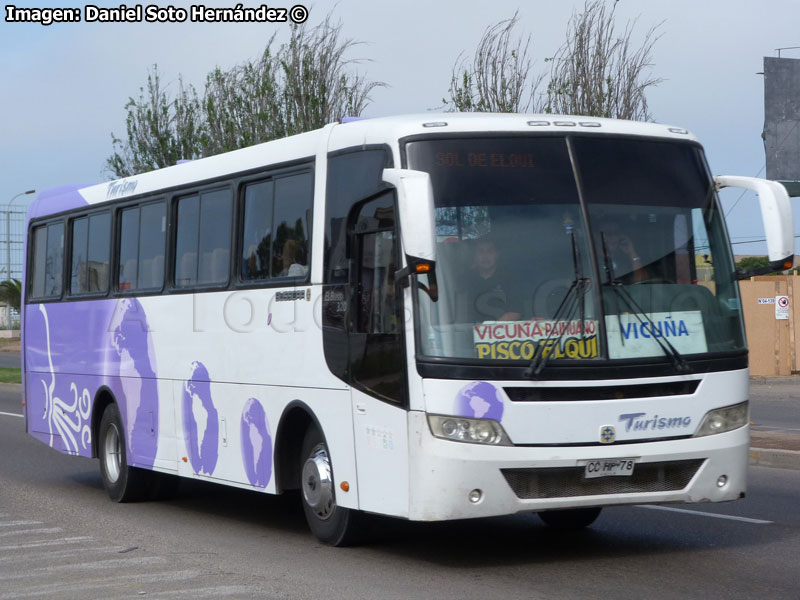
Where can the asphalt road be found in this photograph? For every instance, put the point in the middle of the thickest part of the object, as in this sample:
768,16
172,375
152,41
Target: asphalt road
60,537
10,359
775,405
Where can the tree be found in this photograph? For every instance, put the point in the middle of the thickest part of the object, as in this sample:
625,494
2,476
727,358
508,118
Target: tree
597,73
160,130
594,73
498,79
242,106
317,88
754,263
304,85
11,293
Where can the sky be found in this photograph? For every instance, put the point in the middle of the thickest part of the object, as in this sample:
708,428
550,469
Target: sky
63,88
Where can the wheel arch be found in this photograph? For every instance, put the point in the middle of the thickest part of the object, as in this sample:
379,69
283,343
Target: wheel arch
295,420
102,399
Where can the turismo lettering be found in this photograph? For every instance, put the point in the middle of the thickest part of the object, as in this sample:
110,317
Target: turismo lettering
120,188
640,422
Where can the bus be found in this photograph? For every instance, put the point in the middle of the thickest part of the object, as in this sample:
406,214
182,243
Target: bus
428,317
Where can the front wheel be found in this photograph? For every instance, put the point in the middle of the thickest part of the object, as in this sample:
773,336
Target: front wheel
122,482
570,518
330,523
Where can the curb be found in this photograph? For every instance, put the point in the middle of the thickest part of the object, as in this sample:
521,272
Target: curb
762,380
778,459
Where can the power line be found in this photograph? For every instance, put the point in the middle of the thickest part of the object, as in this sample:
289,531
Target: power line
756,241
761,170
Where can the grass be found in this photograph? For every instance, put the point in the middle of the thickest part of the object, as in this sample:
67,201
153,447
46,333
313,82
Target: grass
10,375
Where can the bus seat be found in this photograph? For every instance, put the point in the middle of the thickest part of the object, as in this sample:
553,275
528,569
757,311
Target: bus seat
187,273
158,271
220,261
98,277
129,271
204,268
146,273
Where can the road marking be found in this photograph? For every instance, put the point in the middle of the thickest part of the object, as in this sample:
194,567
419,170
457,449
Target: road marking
60,542
37,553
12,415
31,531
18,522
774,428
98,581
88,567
707,514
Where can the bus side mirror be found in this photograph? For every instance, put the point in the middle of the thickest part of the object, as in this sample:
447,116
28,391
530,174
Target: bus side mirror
776,212
416,216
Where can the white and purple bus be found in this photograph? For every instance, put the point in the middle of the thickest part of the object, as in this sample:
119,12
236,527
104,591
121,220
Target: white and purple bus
430,317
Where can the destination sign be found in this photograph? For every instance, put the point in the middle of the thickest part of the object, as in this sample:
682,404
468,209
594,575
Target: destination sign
488,160
520,340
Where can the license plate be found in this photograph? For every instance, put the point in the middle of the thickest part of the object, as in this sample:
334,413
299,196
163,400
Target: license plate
609,467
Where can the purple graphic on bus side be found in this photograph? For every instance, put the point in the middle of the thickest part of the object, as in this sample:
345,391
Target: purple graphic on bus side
256,443
200,421
109,344
480,400
133,360
57,199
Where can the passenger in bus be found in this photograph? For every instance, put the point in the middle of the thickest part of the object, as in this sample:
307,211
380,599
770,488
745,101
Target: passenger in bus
491,295
291,264
623,258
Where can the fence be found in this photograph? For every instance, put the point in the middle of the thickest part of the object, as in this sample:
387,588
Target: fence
772,324
12,255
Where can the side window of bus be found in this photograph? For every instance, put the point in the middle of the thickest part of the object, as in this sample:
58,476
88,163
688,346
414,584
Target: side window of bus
376,342
48,260
275,228
291,225
353,175
256,231
143,234
91,249
203,240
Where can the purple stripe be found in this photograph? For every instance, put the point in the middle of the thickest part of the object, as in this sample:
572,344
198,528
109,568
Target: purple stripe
56,200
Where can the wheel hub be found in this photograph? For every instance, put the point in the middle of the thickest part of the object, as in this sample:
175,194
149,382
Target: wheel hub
112,455
317,483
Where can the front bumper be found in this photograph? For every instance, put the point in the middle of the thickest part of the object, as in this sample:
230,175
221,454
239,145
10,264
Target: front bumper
444,473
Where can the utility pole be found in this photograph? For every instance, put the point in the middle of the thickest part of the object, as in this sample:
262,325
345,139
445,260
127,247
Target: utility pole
8,248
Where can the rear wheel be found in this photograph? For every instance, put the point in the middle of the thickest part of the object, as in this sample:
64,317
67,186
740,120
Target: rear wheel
570,518
122,482
329,522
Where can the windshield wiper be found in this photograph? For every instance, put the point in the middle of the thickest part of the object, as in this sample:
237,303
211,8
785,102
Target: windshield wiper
574,300
620,293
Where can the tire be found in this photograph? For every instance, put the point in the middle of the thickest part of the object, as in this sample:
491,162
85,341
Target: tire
570,518
122,482
330,523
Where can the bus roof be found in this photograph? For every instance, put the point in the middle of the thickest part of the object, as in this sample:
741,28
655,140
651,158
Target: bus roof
334,137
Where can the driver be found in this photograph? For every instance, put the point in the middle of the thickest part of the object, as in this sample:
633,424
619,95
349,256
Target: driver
622,255
488,285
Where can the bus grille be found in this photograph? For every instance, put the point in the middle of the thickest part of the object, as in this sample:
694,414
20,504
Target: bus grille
564,482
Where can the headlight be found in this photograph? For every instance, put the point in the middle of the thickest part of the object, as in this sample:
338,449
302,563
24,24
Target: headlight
723,419
473,431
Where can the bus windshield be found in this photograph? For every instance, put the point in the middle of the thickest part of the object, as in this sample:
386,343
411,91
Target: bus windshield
577,248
